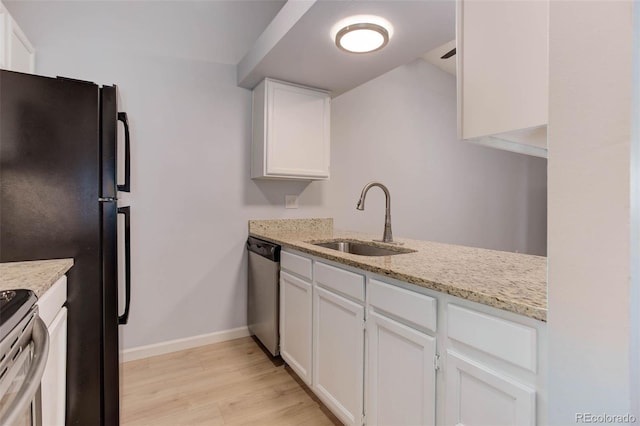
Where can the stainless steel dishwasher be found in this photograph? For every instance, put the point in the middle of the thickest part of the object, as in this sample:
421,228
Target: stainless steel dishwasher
264,288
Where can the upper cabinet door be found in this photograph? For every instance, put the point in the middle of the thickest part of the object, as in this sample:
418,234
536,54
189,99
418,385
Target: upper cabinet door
291,132
502,54
16,52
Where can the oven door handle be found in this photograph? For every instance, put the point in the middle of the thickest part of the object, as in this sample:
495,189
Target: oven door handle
31,384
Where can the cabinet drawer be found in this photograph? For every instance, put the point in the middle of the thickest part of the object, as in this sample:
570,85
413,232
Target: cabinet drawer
414,308
504,339
296,264
339,280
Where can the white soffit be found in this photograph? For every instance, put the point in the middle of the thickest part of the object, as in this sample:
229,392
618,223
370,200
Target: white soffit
297,45
434,57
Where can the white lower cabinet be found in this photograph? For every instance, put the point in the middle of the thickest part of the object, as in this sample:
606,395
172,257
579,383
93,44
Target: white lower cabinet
295,324
401,378
54,379
479,395
55,374
491,369
338,362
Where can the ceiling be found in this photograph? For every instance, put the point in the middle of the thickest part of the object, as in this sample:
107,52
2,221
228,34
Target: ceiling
299,48
306,53
215,31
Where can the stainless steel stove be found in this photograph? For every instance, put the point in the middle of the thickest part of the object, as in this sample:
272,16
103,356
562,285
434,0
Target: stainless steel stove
24,345
14,306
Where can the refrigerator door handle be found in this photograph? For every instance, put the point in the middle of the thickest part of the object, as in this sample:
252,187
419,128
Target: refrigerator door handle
126,211
126,187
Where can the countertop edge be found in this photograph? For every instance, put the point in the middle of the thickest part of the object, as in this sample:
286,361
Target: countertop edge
37,275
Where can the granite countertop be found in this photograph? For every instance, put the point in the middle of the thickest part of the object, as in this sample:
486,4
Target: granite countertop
509,281
36,275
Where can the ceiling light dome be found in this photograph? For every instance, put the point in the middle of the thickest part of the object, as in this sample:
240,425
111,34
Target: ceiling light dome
362,37
361,33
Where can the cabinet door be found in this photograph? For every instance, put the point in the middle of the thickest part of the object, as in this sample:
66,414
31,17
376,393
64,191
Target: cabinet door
295,324
477,395
401,379
55,374
291,132
16,52
338,363
297,131
502,59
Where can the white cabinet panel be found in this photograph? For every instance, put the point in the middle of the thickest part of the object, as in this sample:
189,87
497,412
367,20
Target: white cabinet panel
504,339
291,132
401,379
55,374
502,72
344,282
477,396
415,308
16,52
338,362
295,324
50,303
54,378
296,264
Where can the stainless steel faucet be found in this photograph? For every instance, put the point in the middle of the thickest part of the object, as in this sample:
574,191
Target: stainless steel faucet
387,236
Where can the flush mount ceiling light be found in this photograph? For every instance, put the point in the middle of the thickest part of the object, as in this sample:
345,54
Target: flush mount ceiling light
361,34
362,37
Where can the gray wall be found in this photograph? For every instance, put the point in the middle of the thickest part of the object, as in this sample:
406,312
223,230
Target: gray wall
400,129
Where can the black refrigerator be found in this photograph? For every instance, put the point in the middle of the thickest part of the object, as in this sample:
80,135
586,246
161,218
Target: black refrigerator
58,199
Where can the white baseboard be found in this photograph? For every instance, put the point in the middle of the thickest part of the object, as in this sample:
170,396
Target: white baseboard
182,344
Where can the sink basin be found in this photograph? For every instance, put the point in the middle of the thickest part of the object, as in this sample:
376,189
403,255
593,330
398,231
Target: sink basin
362,248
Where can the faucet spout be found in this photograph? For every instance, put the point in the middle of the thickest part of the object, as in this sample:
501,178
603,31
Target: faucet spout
387,236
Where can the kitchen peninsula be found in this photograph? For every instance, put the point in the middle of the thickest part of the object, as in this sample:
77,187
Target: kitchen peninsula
457,328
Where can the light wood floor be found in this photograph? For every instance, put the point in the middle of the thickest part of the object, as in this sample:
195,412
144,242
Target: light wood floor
229,383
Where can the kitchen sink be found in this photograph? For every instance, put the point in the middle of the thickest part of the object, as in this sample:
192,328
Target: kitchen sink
362,248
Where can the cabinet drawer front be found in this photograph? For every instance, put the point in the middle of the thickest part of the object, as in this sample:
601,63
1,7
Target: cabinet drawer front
345,282
414,308
501,338
296,264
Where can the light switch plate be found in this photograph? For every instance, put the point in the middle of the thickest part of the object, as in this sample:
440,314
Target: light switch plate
290,201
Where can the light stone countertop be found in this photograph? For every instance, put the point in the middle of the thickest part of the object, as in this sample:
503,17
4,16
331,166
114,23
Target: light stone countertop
509,281
36,275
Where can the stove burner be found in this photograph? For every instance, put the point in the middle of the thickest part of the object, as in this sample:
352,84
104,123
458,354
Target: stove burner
6,296
14,306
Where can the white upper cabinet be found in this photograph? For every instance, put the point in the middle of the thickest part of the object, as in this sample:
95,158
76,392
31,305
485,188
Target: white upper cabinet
16,52
291,132
502,73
